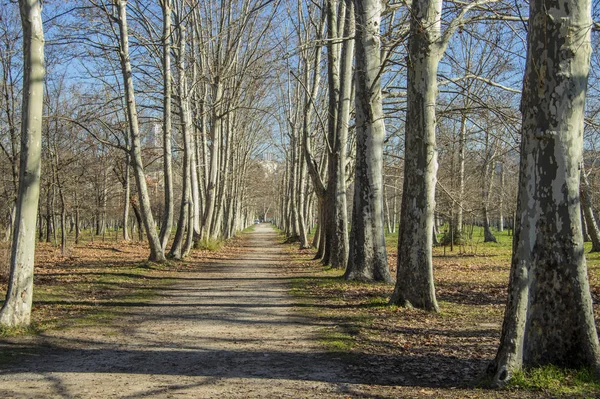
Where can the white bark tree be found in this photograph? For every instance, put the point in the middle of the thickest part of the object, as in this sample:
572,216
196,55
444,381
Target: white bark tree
156,249
414,281
16,310
167,220
549,316
426,46
368,254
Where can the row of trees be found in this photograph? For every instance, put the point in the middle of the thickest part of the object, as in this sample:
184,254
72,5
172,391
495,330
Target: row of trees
185,96
449,75
152,112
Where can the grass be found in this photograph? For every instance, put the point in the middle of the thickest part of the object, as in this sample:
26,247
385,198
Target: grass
92,296
16,331
249,229
209,244
90,286
336,341
557,381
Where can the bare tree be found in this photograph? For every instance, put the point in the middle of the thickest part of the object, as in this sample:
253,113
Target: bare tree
156,249
368,255
167,221
549,316
16,310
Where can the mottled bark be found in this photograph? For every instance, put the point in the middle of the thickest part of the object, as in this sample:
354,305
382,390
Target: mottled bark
414,281
337,242
549,317
368,254
16,310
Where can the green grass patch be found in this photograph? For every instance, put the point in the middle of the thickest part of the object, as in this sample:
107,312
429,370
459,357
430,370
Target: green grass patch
557,381
6,332
208,244
249,229
336,341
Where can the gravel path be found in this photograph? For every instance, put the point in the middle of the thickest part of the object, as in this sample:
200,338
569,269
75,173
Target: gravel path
227,332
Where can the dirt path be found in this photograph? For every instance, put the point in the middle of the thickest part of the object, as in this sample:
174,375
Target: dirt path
229,331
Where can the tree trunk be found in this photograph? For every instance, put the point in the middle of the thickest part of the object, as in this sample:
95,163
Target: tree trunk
127,193
342,83
16,310
368,254
156,249
414,282
584,233
11,223
138,219
77,222
337,242
216,127
177,250
462,140
549,317
487,183
167,221
48,213
501,200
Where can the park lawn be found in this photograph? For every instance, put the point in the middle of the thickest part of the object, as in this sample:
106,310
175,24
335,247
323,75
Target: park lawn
445,353
95,281
90,284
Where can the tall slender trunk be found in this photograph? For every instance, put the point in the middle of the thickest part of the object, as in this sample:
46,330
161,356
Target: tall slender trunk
340,78
487,182
156,249
177,250
211,189
48,212
126,195
77,218
462,140
63,207
167,220
501,199
16,310
302,200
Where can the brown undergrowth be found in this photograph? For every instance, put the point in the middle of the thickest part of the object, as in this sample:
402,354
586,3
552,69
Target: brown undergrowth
95,281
